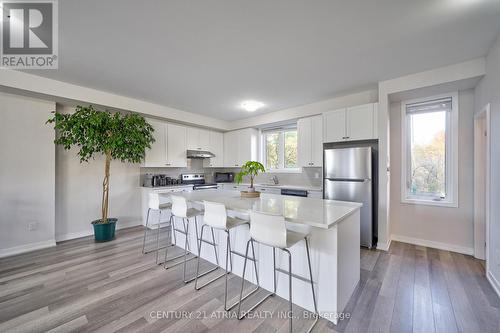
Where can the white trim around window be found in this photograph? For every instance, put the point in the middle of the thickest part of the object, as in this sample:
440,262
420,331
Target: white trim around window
451,157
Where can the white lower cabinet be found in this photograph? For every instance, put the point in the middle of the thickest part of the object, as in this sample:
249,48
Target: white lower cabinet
315,194
270,190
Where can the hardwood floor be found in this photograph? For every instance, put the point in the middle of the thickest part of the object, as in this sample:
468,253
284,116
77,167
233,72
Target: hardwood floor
83,286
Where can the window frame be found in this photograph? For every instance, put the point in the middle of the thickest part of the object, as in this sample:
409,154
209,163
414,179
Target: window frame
281,149
451,158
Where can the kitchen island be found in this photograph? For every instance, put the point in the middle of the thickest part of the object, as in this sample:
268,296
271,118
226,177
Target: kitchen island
334,228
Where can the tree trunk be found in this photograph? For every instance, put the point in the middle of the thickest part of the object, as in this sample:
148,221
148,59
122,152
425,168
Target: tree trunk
251,182
105,188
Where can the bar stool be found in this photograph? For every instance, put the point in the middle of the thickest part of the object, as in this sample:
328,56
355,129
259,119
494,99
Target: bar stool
215,217
154,205
180,210
271,230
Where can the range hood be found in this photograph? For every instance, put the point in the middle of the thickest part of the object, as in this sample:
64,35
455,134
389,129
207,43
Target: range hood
199,154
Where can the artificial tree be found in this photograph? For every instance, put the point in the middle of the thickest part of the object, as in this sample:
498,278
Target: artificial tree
117,136
252,169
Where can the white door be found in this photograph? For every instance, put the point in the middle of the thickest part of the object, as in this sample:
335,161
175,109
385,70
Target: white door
176,146
156,156
360,122
216,147
304,142
334,123
317,141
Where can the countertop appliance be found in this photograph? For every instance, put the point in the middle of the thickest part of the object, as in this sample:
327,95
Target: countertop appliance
197,180
224,177
151,180
199,154
348,177
294,192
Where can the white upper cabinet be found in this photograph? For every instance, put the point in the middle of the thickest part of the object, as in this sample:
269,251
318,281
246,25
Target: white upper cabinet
175,148
156,156
216,147
240,146
310,144
197,138
353,123
334,126
360,122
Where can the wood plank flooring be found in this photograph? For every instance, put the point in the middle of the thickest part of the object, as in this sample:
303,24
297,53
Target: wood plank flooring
82,286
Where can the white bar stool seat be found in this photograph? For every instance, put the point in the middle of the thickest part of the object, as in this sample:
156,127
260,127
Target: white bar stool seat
154,205
270,230
181,210
216,217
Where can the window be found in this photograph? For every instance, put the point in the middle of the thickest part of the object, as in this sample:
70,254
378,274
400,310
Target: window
429,150
280,149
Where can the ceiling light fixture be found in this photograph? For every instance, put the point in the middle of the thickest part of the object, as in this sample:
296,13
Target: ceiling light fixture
251,106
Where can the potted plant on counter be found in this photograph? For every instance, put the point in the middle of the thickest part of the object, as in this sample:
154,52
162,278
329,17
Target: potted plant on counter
117,136
252,169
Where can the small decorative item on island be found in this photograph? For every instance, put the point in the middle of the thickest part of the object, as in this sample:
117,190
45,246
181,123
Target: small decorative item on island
252,169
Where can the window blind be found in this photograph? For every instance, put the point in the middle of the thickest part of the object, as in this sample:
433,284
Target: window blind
444,104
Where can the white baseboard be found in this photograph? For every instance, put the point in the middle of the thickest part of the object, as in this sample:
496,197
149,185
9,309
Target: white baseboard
384,246
494,282
90,232
26,248
433,244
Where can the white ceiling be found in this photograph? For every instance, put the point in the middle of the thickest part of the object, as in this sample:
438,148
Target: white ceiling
208,56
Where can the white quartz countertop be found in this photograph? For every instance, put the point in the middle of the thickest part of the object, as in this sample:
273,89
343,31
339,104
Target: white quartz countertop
280,186
314,212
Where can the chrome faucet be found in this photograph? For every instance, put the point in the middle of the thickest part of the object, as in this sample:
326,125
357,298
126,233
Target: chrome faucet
275,180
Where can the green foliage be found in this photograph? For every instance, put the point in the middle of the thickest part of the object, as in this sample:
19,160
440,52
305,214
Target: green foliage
124,137
250,168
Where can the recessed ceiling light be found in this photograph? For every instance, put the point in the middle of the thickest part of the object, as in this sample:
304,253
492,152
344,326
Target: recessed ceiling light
251,106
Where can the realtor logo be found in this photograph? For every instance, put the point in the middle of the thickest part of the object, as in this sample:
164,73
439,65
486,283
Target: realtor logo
29,34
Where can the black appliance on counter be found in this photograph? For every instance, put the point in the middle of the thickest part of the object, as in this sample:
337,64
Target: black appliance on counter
224,177
198,181
151,180
294,192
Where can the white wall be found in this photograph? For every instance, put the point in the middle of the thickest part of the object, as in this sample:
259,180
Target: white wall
488,91
452,74
79,190
27,177
448,228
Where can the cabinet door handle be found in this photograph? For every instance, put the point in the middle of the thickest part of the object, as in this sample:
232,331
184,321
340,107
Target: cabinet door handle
167,163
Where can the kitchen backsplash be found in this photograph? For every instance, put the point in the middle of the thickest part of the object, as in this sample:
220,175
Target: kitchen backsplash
308,177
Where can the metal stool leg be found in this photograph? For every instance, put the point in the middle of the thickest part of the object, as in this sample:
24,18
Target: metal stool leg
242,315
290,313
200,240
173,230
145,232
216,260
158,236
312,287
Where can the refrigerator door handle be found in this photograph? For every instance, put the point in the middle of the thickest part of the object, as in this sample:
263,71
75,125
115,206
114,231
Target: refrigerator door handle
348,180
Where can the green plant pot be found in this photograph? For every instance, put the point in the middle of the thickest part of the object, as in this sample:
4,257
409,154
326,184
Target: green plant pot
104,232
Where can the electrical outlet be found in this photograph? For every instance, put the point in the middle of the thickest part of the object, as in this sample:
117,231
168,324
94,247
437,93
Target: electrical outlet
316,175
32,226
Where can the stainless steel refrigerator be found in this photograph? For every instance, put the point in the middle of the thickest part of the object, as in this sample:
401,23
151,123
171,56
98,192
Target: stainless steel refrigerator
348,177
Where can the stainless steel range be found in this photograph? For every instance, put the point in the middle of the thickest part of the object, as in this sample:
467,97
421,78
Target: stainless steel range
198,181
